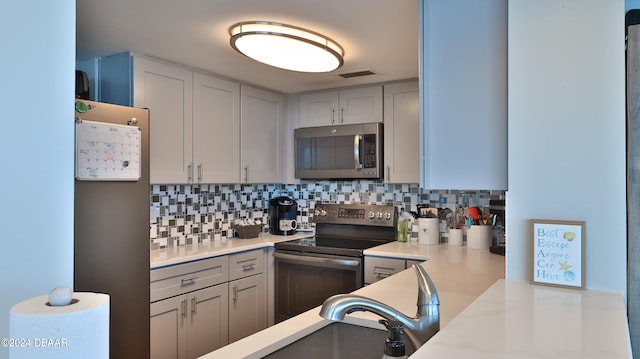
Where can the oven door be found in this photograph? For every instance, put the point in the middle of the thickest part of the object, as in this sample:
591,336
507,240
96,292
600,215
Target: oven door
305,280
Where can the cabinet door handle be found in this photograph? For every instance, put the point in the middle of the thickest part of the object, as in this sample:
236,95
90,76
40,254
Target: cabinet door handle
190,172
246,173
184,308
189,280
388,173
199,172
333,116
342,115
194,302
235,293
250,266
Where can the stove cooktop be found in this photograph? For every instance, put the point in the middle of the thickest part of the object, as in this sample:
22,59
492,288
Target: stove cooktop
342,247
346,229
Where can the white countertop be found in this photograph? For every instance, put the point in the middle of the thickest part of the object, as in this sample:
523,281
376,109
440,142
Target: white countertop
180,254
510,319
517,320
460,275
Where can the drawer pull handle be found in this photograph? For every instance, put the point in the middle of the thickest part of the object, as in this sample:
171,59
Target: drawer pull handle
188,280
246,267
383,272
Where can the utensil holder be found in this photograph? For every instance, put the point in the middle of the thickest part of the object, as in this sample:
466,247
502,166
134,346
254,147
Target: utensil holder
428,231
479,237
455,237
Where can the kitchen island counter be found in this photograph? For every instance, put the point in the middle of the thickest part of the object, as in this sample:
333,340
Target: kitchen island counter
482,315
460,275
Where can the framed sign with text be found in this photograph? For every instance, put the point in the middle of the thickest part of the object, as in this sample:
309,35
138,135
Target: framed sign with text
557,253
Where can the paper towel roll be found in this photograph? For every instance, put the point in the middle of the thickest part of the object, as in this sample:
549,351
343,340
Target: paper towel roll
78,330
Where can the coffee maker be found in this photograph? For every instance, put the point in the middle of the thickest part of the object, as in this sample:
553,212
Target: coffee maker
283,212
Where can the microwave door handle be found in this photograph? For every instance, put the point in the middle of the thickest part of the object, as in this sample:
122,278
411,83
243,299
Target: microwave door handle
356,151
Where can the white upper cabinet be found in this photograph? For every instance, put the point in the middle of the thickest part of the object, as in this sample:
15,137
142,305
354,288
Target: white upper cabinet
402,132
361,105
342,107
262,149
216,130
167,91
464,95
194,118
319,109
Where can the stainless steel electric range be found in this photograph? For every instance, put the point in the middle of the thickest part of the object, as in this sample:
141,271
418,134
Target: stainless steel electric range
308,271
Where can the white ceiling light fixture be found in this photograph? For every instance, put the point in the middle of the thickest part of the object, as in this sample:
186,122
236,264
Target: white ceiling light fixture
285,46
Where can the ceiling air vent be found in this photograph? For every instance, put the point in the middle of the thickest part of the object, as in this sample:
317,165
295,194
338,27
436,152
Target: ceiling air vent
357,74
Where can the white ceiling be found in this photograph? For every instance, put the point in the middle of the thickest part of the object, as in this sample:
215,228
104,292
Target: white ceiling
377,35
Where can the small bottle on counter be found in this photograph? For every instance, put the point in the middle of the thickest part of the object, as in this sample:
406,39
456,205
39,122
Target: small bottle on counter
403,227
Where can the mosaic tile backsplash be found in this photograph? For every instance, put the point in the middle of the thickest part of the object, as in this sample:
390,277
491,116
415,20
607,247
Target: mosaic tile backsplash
185,214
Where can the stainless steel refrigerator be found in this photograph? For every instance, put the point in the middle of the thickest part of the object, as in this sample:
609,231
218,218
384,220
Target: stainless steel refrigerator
111,212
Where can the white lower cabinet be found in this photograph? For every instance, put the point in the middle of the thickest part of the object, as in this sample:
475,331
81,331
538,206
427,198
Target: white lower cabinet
208,316
190,325
378,268
189,312
247,294
247,306
168,330
200,306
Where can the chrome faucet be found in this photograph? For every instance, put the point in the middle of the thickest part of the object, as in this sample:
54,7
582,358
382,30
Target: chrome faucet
419,329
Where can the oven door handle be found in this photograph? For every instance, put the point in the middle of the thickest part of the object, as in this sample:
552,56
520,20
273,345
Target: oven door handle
318,260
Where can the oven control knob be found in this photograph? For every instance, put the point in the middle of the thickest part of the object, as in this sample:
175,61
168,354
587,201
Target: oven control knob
372,215
379,215
387,216
323,212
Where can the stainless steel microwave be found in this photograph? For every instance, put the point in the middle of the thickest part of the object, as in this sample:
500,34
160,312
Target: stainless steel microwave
339,152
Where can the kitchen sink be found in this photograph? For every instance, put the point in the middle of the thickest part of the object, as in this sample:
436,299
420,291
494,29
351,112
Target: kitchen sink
339,340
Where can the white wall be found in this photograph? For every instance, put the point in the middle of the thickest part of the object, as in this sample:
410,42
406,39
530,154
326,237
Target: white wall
36,143
567,130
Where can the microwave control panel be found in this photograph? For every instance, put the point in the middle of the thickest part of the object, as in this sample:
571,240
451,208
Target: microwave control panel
369,151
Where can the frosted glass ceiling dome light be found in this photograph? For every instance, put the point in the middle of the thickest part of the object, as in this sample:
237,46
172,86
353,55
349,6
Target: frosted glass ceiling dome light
285,46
